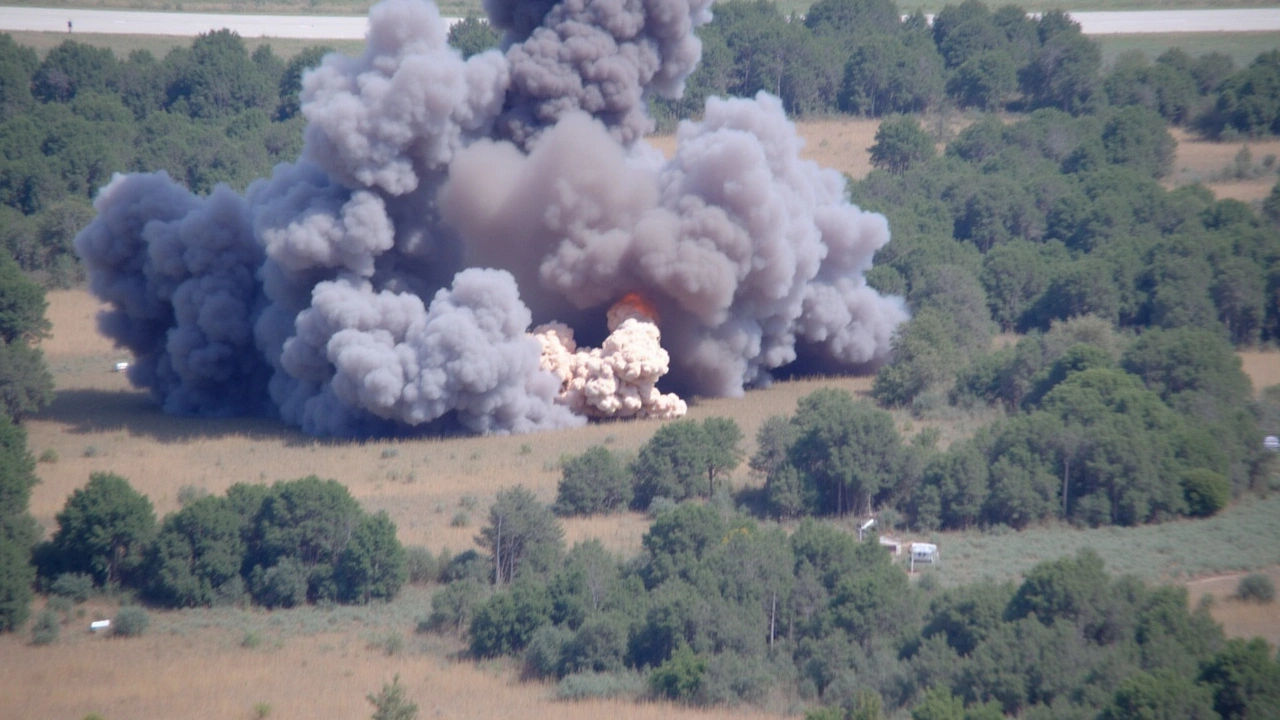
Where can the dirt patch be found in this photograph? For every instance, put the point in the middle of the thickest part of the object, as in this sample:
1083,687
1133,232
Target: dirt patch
1262,367
1239,619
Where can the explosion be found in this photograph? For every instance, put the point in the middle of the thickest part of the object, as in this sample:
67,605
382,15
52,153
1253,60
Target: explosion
386,282
617,380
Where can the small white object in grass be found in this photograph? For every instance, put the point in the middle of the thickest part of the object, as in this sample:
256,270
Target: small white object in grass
97,625
121,366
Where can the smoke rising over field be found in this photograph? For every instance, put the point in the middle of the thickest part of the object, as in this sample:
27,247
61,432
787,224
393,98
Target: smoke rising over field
391,278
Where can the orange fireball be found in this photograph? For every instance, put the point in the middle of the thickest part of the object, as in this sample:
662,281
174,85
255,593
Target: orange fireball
632,305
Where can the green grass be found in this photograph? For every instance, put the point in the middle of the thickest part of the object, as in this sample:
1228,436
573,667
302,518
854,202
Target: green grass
1242,538
1242,47
160,45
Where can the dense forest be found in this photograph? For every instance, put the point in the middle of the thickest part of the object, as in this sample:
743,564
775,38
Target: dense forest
1120,402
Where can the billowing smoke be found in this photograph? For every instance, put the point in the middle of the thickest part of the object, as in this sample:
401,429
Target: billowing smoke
388,280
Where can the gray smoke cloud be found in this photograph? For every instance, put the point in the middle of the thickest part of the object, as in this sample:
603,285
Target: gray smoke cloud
386,282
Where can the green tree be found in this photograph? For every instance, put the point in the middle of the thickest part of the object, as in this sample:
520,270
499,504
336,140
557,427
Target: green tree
1071,588
73,68
372,566
302,528
18,530
26,385
1162,695
1245,680
901,144
723,440
1139,139
473,35
679,539
847,18
682,455
217,78
506,622
924,358
680,676
887,75
17,64
291,78
22,305
197,554
1207,492
522,533
593,482
848,451
984,81
1064,71
938,704
104,529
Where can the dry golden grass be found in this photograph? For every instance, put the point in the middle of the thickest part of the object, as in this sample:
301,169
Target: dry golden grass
99,423
1205,161
841,143
1239,619
208,674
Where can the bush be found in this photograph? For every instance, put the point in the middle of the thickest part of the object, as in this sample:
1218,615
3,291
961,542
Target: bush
453,606
131,621
590,685
391,703
46,629
421,565
680,677
75,586
594,482
1206,492
1256,588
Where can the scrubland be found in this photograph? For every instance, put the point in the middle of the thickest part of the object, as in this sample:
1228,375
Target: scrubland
322,661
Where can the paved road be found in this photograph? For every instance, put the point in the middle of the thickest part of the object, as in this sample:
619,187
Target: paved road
353,27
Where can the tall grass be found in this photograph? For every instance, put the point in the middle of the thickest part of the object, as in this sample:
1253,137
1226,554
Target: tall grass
1242,538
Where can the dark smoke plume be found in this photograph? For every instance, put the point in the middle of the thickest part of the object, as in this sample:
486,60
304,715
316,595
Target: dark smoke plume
387,282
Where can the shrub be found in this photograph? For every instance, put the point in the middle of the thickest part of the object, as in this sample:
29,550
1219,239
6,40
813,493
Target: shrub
680,677
1206,491
590,685
391,704
188,494
49,456
460,520
59,604
75,586
421,565
46,629
131,621
1256,588
453,606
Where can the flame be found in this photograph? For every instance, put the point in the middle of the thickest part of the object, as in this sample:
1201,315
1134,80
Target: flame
632,305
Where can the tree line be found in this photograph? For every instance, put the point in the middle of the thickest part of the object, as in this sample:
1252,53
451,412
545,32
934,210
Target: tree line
864,57
719,608
291,543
